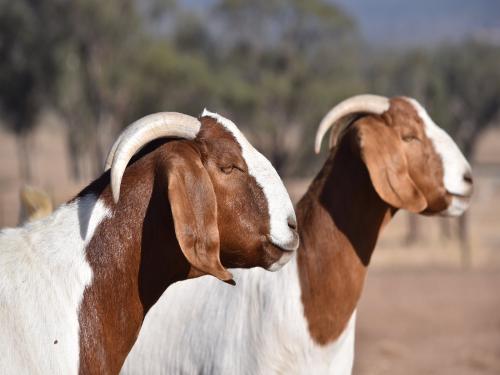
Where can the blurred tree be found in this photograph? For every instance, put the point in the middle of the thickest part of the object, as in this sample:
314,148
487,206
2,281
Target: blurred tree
283,50
466,90
28,65
122,64
101,41
118,60
274,66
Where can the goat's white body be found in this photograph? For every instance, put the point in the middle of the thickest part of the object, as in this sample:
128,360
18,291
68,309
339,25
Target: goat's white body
43,274
203,326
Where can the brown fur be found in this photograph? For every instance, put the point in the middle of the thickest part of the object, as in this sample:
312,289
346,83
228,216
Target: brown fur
176,212
382,164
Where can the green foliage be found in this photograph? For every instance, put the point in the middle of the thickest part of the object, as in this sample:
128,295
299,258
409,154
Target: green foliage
294,54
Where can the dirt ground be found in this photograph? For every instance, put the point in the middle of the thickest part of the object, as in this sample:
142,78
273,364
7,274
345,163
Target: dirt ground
429,321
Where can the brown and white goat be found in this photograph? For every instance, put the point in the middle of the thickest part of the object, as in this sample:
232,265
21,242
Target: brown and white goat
75,286
387,155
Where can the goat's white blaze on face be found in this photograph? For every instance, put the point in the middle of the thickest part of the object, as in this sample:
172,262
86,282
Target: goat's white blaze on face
455,166
281,211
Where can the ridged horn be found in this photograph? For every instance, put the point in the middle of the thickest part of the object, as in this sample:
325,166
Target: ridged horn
341,115
143,131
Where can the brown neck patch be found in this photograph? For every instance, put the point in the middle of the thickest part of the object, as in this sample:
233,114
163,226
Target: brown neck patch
339,218
134,256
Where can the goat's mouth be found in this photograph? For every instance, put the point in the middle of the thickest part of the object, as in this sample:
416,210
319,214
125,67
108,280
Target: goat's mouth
459,203
291,244
280,253
459,195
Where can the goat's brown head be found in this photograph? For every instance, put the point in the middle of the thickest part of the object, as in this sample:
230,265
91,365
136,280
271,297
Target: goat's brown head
229,205
413,164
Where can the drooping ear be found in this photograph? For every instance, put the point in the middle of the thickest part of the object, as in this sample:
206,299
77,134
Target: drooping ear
194,209
382,152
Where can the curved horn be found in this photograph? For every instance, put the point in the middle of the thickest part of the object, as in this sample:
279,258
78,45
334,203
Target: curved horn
143,131
109,158
341,115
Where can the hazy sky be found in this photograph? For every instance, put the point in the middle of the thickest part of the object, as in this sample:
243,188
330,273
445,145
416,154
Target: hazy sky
415,22
424,21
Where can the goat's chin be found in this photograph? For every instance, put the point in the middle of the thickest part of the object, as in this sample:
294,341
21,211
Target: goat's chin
458,205
285,258
277,257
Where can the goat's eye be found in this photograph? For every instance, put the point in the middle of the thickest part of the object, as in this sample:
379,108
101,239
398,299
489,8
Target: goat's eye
410,138
227,169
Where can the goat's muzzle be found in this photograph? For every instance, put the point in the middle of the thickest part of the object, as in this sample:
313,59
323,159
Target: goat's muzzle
283,251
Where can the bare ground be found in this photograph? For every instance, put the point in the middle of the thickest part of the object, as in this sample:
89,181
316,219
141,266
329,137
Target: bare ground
429,321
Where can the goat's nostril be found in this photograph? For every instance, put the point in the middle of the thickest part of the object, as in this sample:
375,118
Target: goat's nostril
292,223
468,177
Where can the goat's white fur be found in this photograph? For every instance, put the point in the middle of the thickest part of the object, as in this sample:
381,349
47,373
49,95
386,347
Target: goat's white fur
280,206
43,274
261,330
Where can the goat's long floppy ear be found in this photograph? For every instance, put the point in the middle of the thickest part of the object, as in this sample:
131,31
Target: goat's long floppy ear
194,210
382,152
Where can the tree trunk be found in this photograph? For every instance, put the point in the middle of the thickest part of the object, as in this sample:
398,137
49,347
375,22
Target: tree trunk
463,236
74,156
278,153
23,159
3,216
98,158
413,232
446,233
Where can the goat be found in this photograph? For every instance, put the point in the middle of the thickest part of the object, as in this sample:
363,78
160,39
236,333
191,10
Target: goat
75,286
386,155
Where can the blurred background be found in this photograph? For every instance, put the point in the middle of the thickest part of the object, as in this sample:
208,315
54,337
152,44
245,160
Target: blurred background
74,73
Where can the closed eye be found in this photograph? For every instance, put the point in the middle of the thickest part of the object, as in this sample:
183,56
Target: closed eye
410,138
227,170
230,168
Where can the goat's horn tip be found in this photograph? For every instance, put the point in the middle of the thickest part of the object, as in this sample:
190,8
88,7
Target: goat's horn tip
116,196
